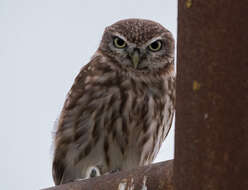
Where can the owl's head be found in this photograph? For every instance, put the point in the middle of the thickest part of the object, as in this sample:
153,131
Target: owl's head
138,44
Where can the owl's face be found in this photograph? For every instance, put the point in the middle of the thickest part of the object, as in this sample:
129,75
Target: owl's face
138,45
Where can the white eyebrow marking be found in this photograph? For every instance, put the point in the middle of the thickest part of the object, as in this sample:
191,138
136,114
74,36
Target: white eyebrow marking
120,36
152,40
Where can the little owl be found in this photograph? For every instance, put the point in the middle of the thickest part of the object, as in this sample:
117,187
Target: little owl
120,107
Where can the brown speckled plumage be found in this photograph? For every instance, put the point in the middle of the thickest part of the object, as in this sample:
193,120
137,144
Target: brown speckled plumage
116,116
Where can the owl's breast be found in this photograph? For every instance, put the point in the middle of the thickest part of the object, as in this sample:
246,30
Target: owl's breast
144,116
127,118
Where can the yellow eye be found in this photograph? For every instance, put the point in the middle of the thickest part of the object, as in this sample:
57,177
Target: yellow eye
155,46
119,43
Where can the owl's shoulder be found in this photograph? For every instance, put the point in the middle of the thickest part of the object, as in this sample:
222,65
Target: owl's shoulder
96,72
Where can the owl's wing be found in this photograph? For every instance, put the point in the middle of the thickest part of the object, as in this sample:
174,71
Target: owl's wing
58,171
171,108
75,112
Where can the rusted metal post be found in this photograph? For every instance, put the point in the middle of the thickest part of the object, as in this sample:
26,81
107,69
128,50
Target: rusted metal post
212,96
153,177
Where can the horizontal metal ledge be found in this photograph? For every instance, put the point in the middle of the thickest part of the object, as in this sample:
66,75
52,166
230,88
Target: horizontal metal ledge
156,176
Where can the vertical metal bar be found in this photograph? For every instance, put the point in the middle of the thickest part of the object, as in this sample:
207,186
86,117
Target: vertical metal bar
212,96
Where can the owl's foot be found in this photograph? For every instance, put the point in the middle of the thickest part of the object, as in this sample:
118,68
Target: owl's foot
93,171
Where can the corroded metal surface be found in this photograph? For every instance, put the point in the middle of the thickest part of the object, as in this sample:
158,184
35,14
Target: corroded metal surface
212,96
153,177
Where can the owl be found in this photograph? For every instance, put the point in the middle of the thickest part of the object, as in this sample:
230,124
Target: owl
120,108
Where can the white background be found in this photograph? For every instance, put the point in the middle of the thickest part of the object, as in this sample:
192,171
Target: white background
43,45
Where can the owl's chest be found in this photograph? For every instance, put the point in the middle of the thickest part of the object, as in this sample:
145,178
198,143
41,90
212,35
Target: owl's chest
137,99
123,101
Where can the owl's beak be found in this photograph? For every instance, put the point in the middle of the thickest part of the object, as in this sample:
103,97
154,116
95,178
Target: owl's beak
135,58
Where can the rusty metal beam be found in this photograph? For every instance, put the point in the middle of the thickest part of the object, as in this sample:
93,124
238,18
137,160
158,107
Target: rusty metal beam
211,135
153,177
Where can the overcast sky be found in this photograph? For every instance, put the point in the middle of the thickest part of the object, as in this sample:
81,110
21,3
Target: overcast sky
43,45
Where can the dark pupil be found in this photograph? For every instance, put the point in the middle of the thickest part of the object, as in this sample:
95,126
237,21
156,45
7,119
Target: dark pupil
154,45
120,42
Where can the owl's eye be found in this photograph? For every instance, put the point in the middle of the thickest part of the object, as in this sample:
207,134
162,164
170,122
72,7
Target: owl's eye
155,46
119,43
